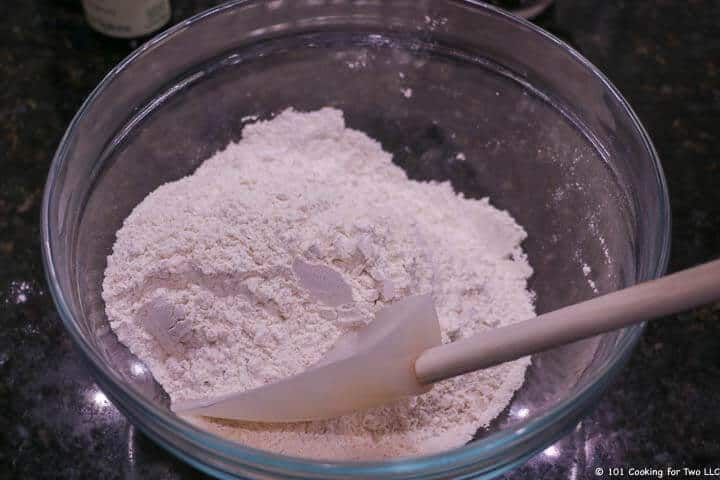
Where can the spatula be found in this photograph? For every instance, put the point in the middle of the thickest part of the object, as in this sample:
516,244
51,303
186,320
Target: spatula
400,352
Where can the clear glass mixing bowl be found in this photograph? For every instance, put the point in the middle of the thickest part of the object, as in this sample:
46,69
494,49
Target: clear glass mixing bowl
541,131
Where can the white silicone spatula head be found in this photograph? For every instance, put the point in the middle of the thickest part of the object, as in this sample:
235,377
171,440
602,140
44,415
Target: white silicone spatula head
368,368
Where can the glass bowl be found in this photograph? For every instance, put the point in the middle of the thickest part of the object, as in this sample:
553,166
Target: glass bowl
457,91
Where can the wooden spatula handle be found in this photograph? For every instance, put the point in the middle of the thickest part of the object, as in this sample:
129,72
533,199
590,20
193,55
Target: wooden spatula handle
673,293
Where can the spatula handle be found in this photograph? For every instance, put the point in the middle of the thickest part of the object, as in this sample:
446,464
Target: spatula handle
673,293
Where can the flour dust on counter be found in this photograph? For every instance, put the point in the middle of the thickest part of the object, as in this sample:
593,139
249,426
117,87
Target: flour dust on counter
251,268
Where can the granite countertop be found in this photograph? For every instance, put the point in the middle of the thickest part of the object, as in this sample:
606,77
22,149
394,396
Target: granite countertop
662,411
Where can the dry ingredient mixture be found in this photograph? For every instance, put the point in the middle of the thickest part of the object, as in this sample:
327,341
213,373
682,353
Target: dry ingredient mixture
212,282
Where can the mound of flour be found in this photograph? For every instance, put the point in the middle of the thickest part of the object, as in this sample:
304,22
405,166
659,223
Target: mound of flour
250,269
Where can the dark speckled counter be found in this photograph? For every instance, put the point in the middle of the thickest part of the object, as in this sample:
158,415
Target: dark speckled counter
664,411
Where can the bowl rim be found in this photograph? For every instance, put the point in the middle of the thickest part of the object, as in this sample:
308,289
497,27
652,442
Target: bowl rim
485,449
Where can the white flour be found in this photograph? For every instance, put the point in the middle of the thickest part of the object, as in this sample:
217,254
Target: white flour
250,269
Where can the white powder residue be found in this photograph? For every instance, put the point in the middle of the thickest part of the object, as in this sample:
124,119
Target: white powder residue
250,269
355,60
605,251
587,271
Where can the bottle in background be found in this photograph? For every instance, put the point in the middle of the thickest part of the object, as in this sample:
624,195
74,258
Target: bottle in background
127,18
